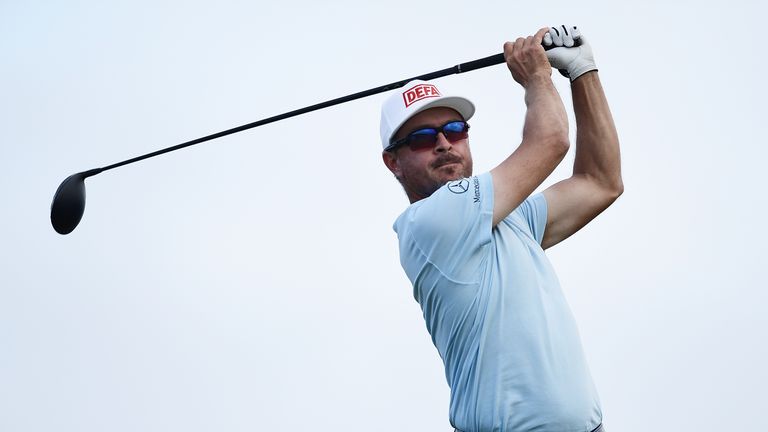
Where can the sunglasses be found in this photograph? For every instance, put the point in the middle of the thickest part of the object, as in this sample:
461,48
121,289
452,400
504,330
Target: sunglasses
426,138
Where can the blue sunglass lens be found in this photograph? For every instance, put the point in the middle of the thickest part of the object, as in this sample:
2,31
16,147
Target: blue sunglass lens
454,127
426,138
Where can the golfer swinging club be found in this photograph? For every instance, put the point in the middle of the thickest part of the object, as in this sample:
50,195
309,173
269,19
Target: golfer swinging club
473,246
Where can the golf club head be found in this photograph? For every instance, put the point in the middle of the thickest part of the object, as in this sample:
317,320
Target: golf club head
69,202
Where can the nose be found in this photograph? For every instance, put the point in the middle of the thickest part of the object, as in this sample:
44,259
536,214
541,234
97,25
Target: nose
442,144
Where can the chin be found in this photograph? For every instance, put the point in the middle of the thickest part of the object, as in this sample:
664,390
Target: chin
454,172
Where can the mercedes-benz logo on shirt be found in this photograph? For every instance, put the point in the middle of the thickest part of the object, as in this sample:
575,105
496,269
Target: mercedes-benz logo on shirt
459,186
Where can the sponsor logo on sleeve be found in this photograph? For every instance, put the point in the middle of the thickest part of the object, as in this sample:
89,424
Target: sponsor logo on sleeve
462,186
458,186
419,92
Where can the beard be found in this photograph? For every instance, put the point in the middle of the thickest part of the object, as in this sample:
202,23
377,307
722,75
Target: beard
451,167
447,167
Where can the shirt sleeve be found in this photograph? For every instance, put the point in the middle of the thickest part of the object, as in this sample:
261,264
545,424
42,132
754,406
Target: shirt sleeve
453,225
534,212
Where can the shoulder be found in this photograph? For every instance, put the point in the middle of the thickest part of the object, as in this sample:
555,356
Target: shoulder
450,230
457,203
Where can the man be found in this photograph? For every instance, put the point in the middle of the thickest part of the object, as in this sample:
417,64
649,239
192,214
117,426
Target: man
473,247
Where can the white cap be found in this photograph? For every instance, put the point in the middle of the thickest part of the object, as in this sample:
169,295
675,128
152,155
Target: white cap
413,98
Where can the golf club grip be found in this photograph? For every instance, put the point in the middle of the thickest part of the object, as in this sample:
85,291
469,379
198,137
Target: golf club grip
481,63
496,59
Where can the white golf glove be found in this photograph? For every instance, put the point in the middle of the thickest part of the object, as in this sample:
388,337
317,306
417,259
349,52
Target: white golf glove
571,54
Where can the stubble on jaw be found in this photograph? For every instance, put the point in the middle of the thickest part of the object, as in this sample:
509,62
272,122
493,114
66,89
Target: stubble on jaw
453,163
445,168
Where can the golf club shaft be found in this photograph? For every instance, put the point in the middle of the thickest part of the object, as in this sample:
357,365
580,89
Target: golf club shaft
463,67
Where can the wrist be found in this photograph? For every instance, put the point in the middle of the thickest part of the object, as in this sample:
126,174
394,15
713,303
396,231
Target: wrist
542,80
541,93
578,70
585,77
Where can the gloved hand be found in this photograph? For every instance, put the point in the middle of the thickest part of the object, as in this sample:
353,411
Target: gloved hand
571,54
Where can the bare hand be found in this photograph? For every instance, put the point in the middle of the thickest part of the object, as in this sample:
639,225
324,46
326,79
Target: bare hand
527,60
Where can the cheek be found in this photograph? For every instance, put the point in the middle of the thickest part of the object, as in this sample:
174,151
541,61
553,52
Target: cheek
466,153
414,163
409,170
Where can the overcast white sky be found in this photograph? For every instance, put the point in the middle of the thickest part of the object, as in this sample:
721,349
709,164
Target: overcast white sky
252,283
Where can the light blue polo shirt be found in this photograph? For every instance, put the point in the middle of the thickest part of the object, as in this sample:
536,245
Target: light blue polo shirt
497,316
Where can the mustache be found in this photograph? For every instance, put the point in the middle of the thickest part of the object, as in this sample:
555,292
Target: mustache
446,158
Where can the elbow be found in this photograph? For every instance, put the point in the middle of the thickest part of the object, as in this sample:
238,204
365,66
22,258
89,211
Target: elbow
560,144
550,137
615,189
619,188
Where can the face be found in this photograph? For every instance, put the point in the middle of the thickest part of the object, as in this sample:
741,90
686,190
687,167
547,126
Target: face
422,172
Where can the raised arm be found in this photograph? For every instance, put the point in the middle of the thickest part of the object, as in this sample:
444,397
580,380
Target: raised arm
545,134
596,181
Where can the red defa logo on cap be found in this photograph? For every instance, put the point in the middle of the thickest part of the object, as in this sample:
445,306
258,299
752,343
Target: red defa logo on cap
419,92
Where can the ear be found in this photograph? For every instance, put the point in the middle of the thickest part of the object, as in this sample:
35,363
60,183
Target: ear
390,160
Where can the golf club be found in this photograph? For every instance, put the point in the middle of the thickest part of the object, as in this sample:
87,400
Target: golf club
68,203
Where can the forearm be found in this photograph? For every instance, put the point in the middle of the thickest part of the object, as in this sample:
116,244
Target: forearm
546,122
596,180
545,133
597,142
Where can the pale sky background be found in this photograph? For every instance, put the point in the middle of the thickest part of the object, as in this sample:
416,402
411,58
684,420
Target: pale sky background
252,283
